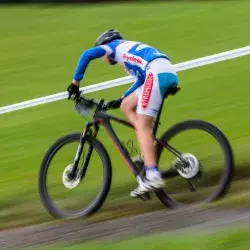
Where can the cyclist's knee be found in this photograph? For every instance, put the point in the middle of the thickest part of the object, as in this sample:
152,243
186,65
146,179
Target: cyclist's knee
123,106
127,107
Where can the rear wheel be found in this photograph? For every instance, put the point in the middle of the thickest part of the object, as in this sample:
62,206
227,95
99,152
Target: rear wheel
205,171
79,197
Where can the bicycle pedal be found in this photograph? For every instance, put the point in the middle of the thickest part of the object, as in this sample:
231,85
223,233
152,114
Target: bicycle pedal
145,197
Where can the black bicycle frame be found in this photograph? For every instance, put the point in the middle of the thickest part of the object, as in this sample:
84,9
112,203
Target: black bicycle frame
102,118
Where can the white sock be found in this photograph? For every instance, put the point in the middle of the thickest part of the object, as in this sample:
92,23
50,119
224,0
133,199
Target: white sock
153,174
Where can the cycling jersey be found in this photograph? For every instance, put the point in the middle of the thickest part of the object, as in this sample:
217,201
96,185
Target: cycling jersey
133,56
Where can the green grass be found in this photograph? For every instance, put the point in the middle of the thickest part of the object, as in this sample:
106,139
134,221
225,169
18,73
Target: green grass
223,239
40,47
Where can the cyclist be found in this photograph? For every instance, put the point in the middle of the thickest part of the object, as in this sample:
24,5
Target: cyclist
140,103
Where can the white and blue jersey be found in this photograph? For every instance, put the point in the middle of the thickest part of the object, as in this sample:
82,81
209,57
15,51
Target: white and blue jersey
133,56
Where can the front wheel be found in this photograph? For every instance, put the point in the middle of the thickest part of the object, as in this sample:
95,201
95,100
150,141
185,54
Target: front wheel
201,170
65,198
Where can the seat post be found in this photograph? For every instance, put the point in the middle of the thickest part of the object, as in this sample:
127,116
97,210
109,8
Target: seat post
170,91
157,120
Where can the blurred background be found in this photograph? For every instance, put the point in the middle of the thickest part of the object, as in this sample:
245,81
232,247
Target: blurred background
40,45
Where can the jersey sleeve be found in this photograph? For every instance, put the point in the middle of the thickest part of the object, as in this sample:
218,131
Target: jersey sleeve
110,48
85,59
135,86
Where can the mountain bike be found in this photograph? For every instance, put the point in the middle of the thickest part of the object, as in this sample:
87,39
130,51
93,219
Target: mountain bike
194,157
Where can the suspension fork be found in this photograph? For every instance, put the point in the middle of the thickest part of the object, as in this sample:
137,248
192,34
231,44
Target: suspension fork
85,164
79,151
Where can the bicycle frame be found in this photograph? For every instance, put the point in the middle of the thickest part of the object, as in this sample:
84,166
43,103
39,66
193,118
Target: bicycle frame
104,119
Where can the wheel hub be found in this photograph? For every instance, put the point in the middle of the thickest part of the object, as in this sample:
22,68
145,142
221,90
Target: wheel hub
187,170
67,182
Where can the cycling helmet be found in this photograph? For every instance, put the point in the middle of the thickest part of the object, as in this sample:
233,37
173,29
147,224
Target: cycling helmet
107,37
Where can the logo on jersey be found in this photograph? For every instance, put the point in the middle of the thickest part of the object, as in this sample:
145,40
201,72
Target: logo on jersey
132,59
148,85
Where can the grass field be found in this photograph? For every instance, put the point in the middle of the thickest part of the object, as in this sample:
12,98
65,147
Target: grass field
236,239
40,47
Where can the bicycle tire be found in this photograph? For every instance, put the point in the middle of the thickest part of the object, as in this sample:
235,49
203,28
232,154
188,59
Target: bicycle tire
228,170
98,202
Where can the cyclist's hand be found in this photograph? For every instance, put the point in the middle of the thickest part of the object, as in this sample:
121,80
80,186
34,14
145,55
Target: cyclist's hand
73,90
113,104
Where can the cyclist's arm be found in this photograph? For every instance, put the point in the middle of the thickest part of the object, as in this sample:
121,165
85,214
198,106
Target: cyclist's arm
136,85
85,59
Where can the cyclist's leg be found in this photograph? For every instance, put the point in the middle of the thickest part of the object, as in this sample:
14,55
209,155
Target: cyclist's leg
143,125
128,107
149,103
154,88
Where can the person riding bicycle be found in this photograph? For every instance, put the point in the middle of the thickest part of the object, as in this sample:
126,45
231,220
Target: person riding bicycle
140,103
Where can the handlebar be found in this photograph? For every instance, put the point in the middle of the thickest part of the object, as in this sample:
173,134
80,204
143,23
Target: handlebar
85,105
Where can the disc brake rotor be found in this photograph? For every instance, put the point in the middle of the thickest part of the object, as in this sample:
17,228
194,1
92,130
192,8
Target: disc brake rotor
189,170
67,182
